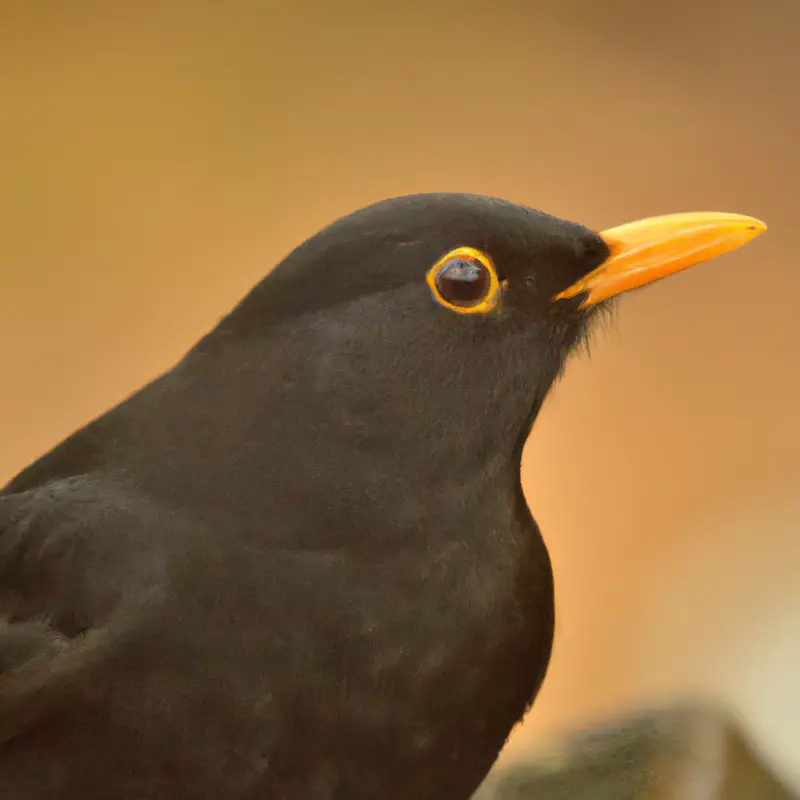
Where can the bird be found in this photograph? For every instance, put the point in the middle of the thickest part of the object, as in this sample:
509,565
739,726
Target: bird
299,563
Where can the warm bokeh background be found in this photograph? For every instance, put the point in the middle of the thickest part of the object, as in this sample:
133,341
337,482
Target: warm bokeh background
156,160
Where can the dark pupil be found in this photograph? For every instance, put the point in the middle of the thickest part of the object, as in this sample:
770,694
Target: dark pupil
463,282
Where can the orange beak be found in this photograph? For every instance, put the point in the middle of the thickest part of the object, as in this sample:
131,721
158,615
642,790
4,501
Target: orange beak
654,248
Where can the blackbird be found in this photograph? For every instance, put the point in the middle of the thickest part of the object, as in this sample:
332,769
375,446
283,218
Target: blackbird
299,564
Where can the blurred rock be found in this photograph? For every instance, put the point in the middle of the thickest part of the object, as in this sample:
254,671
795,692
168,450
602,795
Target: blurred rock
669,754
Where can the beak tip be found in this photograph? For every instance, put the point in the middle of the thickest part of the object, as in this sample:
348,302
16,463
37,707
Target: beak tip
753,229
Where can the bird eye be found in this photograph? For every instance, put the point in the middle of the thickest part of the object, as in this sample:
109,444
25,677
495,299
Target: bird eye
465,281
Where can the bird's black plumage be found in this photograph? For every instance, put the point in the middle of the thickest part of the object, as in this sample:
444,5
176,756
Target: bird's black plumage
300,564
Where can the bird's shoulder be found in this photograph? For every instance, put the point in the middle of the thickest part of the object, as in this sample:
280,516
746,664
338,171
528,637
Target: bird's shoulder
79,542
80,561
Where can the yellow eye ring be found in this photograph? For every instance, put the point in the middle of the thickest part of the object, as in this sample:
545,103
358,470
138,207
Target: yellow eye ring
465,281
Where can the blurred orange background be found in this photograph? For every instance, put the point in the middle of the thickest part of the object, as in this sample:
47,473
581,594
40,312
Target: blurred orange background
157,160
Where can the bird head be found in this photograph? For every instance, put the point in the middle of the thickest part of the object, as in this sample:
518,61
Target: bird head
443,320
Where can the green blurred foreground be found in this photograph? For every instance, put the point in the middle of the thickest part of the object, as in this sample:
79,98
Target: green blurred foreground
670,754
